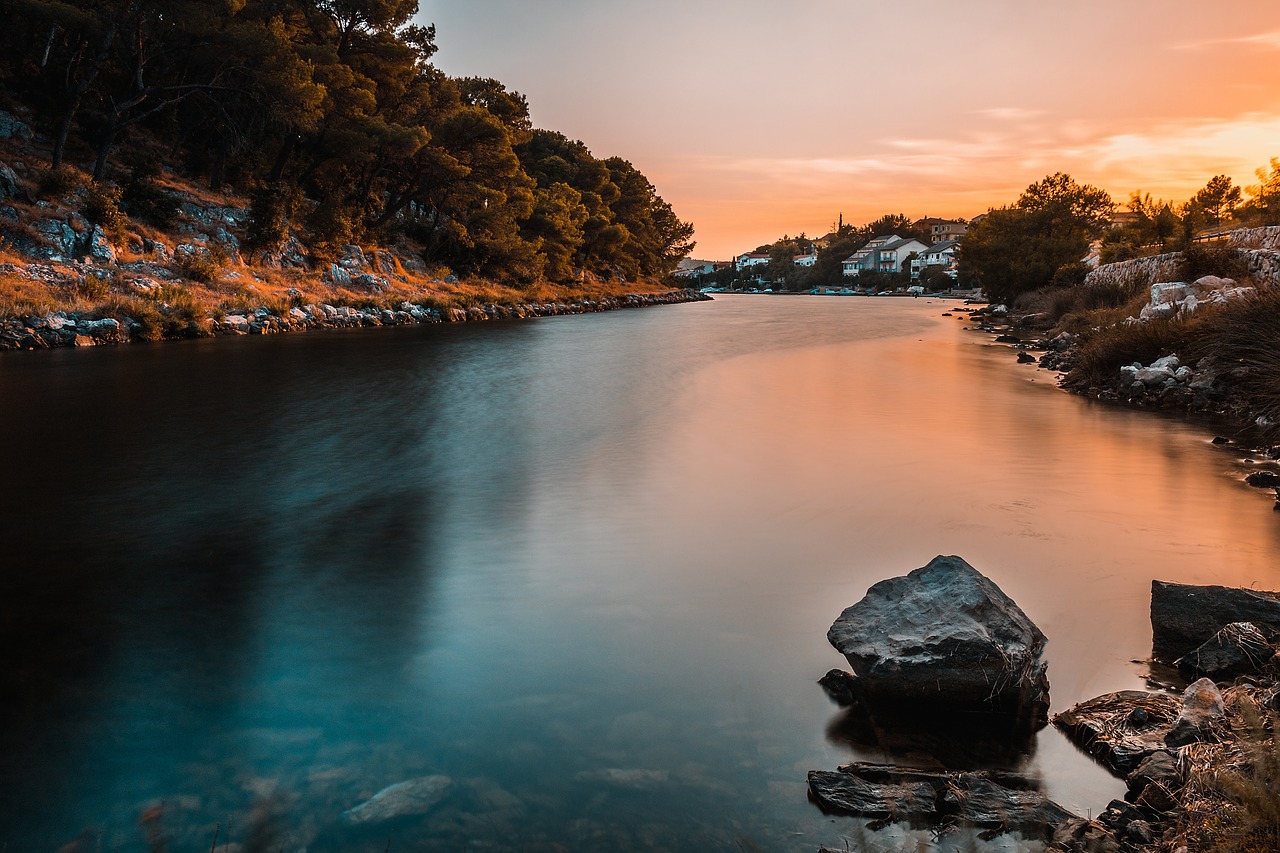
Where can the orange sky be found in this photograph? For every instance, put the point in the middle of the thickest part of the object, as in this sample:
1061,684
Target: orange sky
756,119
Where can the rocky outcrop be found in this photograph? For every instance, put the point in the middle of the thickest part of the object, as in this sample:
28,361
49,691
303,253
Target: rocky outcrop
1201,715
945,636
411,797
1184,617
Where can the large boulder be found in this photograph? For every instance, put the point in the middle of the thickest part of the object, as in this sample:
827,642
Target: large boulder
945,637
1184,617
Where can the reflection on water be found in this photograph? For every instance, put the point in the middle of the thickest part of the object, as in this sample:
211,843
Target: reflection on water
582,566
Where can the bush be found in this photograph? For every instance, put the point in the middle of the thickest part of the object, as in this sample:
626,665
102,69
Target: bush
204,264
57,182
1243,333
102,208
270,210
91,288
1107,349
1217,258
146,199
333,228
1070,275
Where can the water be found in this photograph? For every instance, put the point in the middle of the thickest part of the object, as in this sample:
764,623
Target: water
583,566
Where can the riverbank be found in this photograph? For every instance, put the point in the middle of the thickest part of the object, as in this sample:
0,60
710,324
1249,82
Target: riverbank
76,329
84,263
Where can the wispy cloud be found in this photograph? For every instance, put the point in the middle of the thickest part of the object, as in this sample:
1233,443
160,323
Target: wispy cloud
1269,41
1009,113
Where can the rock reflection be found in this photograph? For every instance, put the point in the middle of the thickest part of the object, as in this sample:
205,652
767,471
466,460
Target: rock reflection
955,742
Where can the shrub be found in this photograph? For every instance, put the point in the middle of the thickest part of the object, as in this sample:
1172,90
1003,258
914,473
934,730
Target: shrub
1217,258
333,228
1107,349
57,182
91,288
146,199
204,264
102,208
1070,275
270,210
1243,333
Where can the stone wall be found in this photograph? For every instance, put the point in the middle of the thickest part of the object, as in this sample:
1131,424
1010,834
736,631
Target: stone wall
1260,248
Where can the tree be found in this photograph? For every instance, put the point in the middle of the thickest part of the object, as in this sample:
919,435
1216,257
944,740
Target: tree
1217,201
1264,197
1016,249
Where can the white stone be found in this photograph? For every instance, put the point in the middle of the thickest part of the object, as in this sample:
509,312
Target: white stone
1168,291
1168,362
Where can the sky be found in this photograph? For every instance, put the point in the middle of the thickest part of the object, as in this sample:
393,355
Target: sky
757,119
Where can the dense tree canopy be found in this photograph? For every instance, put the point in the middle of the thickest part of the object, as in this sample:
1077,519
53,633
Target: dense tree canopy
1016,249
335,102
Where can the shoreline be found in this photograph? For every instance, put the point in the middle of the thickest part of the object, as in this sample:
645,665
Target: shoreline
70,329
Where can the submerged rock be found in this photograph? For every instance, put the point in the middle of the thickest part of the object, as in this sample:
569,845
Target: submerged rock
1184,617
411,797
986,799
946,637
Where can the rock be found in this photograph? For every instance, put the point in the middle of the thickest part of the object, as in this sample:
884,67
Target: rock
339,275
1159,768
1111,729
1026,358
1184,617
100,248
1202,711
988,799
1008,339
63,238
1238,649
1168,362
1153,376
1084,835
637,779
1139,832
412,797
1263,479
841,686
840,792
947,637
9,185
11,128
1165,292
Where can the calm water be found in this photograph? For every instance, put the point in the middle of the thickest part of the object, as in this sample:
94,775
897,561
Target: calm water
583,566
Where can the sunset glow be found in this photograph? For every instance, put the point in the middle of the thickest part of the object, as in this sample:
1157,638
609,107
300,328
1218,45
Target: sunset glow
758,119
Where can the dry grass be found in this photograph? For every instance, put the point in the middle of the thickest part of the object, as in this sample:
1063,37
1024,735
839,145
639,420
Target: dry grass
1108,346
1244,333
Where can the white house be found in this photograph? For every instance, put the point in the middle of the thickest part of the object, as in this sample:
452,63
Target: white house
941,254
805,260
882,254
750,259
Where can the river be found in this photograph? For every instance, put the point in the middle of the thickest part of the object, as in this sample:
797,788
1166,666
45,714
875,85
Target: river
582,566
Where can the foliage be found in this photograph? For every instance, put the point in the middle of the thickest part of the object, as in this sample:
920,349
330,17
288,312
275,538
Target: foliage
145,198
334,101
1110,346
1264,196
102,208
53,183
1216,202
1243,333
1070,275
1016,249
203,265
1201,259
271,208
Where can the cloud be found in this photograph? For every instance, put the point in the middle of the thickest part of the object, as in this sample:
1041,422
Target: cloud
1009,113
1269,41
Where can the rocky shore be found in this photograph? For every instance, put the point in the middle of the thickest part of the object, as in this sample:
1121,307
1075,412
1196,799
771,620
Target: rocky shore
64,328
1198,759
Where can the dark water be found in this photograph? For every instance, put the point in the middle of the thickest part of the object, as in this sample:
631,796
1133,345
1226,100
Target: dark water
583,566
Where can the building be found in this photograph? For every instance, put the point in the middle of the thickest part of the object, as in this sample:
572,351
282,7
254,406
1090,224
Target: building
941,255
806,260
885,253
947,230
750,259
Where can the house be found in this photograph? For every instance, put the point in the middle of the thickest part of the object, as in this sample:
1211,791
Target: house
750,259
690,268
947,230
882,254
942,254
806,260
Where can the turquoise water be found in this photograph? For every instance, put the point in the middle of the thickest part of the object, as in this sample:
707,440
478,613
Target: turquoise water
582,566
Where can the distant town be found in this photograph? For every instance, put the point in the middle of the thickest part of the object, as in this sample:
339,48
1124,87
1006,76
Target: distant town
891,255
